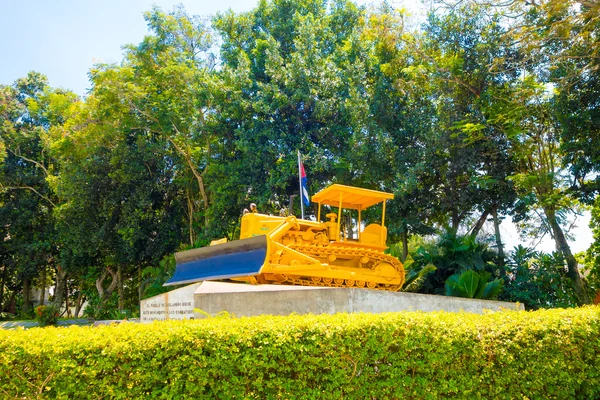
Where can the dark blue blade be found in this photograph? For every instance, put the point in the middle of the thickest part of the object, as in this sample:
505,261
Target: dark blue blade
228,260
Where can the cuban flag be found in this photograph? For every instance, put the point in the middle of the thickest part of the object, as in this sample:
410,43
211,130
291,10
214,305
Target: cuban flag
303,184
305,197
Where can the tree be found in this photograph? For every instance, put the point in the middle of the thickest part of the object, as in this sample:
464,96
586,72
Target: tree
297,87
467,53
562,41
29,109
137,156
517,109
398,124
541,179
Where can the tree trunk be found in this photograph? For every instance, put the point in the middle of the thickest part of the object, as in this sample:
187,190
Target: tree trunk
120,287
199,176
26,296
190,204
455,221
12,303
78,304
67,310
479,224
43,286
105,293
2,281
59,290
140,287
499,244
404,236
573,269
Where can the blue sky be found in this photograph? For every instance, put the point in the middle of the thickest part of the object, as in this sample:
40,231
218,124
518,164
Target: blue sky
64,38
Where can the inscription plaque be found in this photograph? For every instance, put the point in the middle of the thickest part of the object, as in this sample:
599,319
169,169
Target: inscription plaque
176,304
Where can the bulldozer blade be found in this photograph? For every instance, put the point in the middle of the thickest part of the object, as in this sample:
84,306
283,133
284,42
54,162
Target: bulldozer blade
243,257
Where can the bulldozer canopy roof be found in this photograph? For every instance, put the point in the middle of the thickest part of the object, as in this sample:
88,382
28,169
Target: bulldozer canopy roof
352,197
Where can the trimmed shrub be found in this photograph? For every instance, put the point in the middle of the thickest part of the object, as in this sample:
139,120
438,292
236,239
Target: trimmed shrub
542,354
46,315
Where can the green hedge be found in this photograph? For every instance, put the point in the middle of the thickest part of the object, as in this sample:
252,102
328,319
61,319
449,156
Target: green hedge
542,354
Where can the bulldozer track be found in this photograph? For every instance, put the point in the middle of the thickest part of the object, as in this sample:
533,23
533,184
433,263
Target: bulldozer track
375,258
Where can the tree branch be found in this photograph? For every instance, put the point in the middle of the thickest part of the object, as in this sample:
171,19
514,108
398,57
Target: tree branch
30,160
2,187
105,293
188,160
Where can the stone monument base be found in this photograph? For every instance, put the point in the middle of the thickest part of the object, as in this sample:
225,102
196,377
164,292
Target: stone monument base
244,300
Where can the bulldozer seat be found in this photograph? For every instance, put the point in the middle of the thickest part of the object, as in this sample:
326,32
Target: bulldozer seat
372,234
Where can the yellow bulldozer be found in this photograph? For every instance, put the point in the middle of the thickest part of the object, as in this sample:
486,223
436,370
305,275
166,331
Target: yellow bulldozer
340,252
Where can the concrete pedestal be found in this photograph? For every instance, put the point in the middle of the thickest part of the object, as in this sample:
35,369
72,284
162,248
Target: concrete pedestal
244,300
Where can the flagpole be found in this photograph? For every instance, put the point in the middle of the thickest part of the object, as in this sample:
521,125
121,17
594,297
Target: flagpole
300,185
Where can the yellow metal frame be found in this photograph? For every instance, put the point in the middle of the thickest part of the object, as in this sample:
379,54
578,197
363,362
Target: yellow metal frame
354,198
351,198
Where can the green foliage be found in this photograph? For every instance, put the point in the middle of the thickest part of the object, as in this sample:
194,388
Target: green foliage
155,277
453,254
415,272
592,255
573,29
120,314
537,280
101,308
5,316
46,315
549,354
296,76
28,110
473,285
